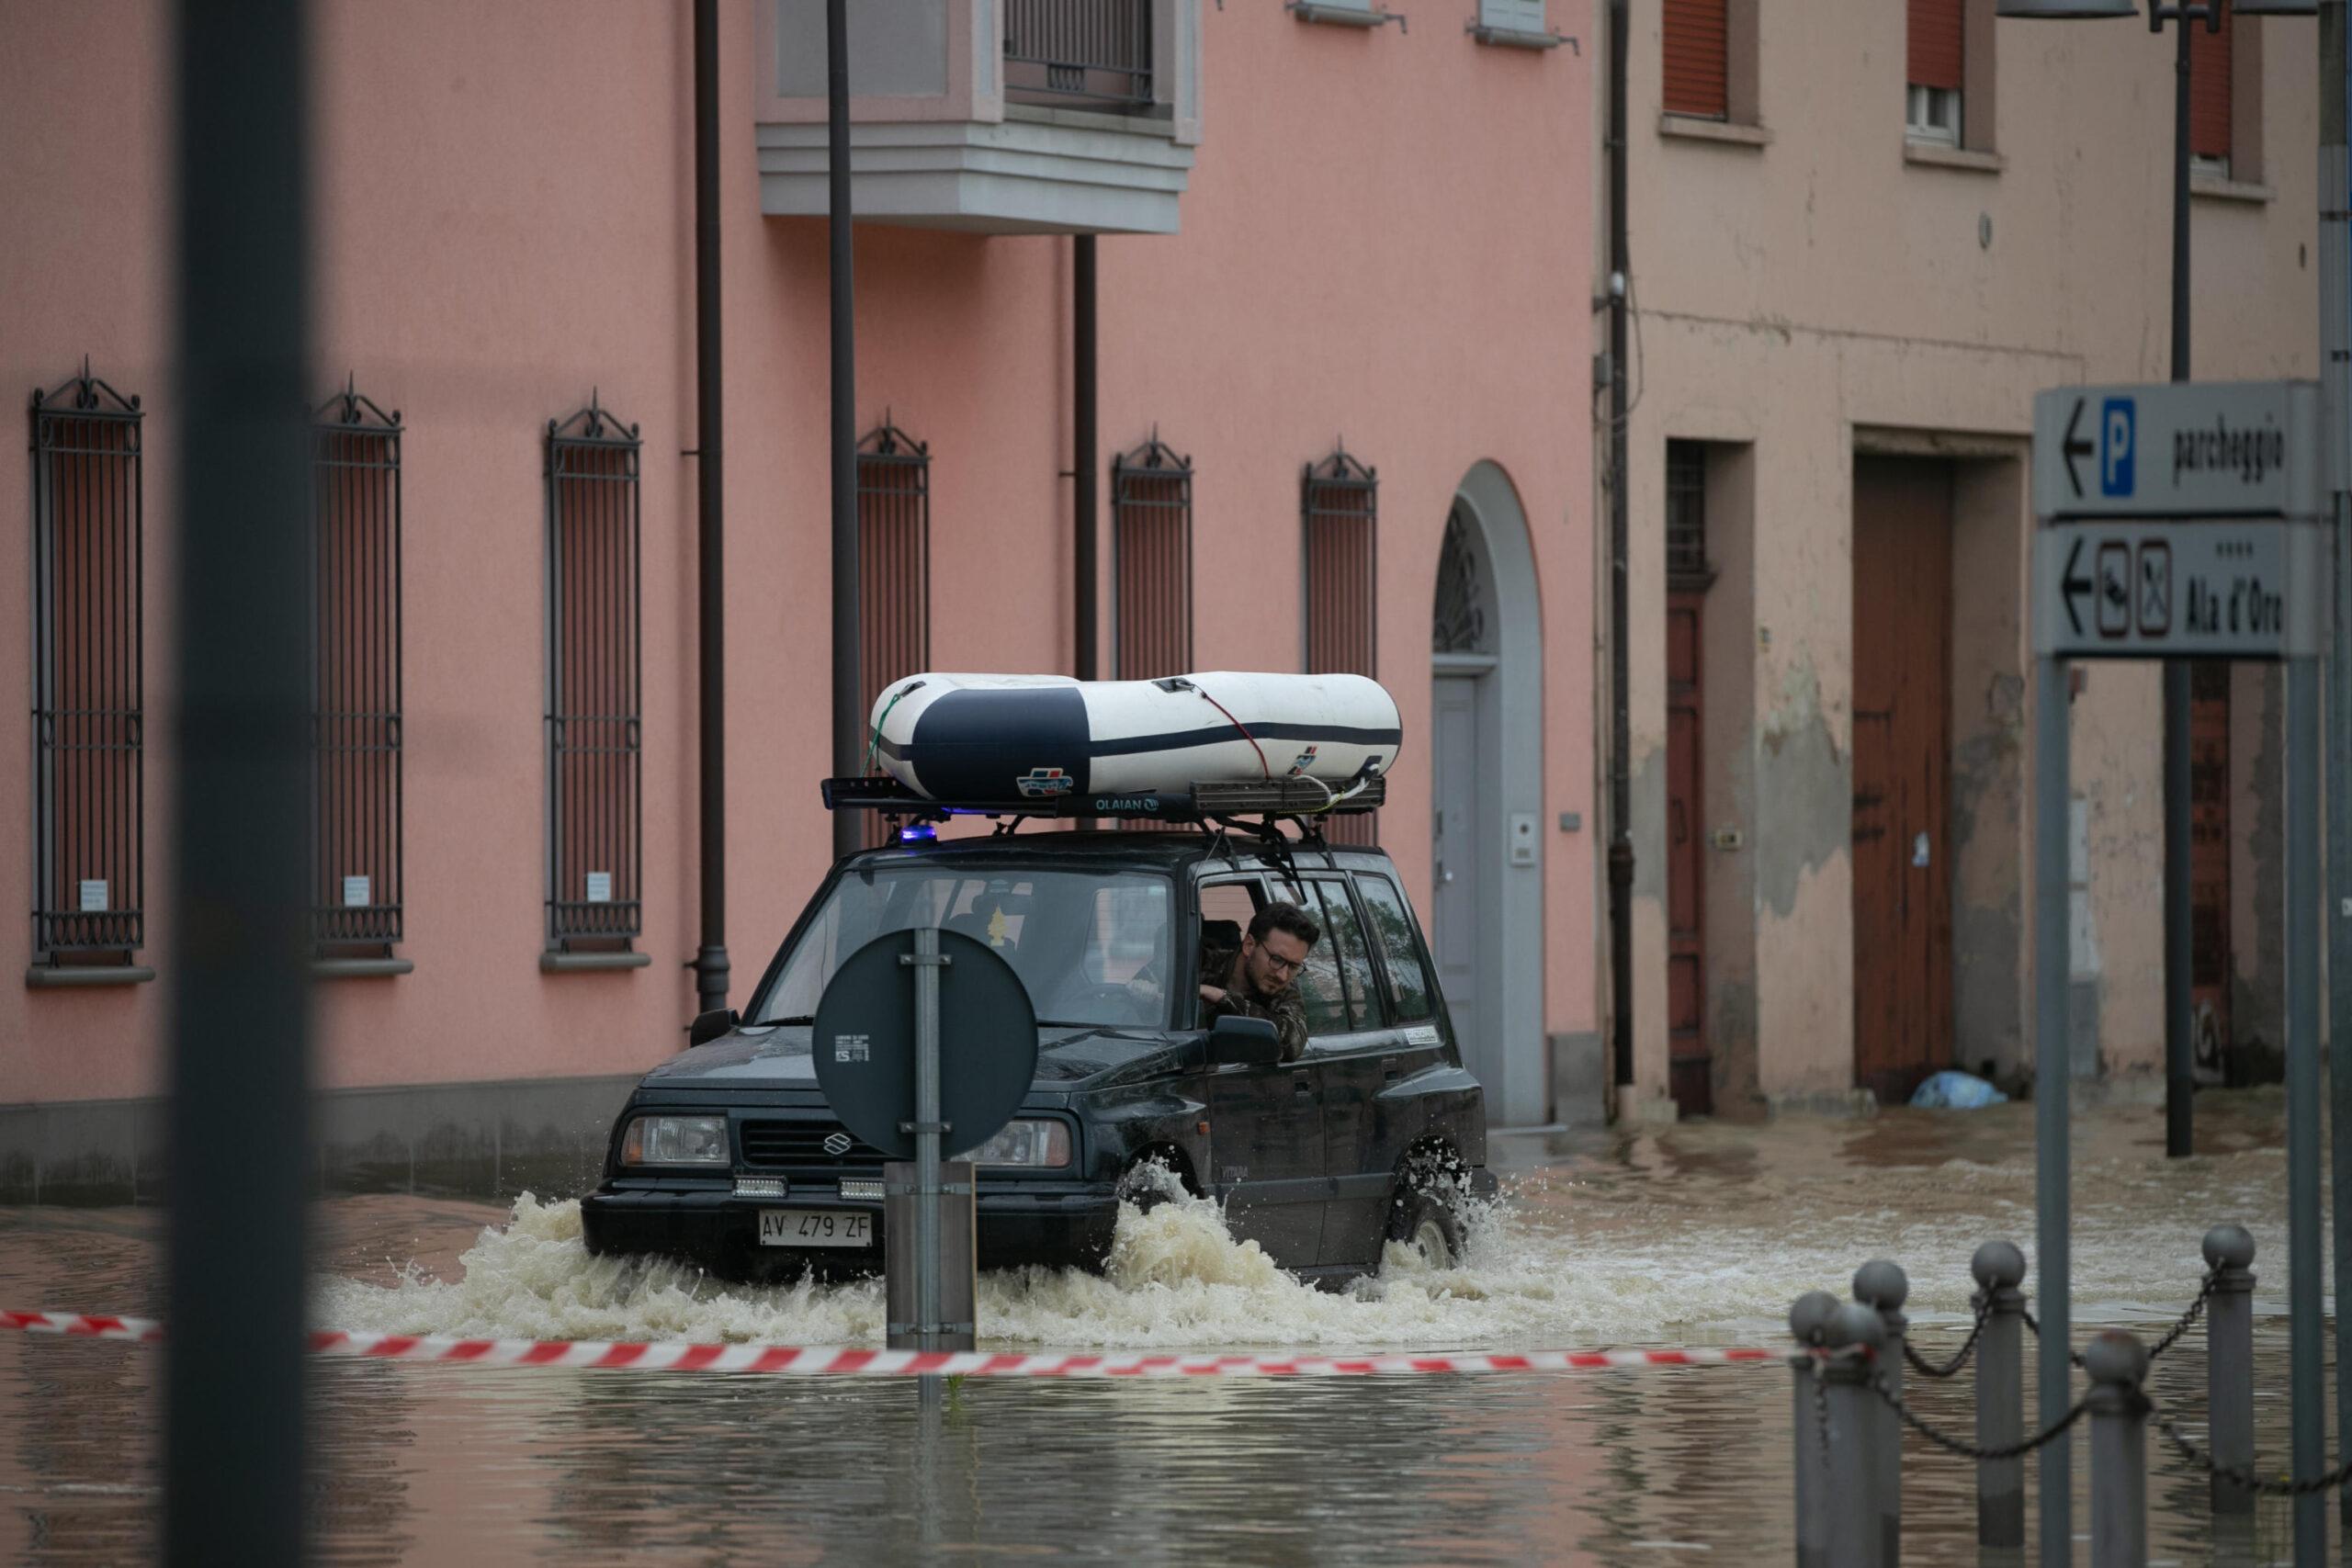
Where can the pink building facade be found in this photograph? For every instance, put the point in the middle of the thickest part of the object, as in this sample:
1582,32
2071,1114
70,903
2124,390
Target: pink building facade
1315,236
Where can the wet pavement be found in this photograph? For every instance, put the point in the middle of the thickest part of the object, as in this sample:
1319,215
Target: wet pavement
1694,1234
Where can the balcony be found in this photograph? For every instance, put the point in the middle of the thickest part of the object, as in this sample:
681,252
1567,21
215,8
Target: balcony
992,117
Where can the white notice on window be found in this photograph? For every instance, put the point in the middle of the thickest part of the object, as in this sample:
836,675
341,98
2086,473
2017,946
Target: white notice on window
599,888
355,892
94,896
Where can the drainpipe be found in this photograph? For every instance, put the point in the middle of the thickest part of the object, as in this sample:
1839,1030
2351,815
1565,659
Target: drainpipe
1083,456
711,959
1620,838
848,726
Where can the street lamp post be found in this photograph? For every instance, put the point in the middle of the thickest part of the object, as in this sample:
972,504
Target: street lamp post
2056,1374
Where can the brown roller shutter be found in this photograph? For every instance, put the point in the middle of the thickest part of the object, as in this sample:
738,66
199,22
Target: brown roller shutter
1695,49
1935,44
2209,88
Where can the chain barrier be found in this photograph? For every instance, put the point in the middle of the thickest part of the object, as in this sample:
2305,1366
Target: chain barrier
1960,1357
1970,1451
2195,1309
2202,1459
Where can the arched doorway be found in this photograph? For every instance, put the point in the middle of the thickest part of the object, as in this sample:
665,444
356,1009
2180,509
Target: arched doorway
1486,785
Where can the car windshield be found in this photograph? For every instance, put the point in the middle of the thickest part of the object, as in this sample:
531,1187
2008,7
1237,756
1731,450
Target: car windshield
1092,947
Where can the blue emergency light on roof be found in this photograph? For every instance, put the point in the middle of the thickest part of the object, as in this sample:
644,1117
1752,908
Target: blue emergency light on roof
917,833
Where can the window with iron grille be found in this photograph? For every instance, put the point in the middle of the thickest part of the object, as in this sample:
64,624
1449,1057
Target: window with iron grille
1151,547
1092,54
1340,514
89,843
1686,512
894,568
596,813
355,677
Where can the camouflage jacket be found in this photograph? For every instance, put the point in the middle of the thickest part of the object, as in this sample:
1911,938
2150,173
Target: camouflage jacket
1284,1007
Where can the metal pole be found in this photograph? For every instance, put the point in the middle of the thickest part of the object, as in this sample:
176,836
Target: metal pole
1810,1458
2229,1364
2335,401
238,1120
1856,1526
849,721
2303,1265
927,1193
711,959
1084,457
2000,1269
1883,1287
1620,742
2052,764
2180,1083
2117,1364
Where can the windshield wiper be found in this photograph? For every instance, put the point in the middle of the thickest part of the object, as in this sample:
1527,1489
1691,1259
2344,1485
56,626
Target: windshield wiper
771,1022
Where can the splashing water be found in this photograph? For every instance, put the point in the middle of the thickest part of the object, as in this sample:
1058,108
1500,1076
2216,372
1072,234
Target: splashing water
1688,1238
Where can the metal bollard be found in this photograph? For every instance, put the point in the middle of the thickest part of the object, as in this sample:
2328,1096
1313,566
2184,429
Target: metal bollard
2117,1364
2229,1362
1807,1319
1883,1287
2000,1269
1856,1528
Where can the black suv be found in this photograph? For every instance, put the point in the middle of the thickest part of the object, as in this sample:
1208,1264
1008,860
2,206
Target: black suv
727,1154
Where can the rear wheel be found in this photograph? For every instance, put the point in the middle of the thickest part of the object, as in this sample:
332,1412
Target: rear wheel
1422,1223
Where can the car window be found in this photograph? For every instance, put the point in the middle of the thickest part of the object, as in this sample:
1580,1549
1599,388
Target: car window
1391,927
1093,948
1337,985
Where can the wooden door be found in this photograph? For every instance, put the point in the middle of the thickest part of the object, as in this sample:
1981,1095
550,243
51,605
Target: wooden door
1901,812
1689,1071
2208,864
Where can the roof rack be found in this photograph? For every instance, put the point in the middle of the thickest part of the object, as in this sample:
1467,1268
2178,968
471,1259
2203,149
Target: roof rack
1201,802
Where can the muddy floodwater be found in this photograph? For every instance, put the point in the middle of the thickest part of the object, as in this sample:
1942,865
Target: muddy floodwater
1698,1235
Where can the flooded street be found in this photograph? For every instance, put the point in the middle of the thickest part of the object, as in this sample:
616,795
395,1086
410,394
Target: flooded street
1694,1234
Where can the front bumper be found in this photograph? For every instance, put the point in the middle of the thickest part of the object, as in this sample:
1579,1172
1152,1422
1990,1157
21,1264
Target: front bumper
1057,1225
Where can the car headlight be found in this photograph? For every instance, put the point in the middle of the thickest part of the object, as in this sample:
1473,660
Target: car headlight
1025,1142
676,1140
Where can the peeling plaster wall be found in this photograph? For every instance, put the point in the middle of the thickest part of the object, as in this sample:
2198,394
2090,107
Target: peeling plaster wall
1792,292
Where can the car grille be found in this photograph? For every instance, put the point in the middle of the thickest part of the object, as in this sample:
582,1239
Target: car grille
801,1143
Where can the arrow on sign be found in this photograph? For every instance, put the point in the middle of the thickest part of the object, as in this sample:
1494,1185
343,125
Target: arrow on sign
2074,447
2071,586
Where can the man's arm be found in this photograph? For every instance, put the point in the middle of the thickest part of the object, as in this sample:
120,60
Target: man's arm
1290,1023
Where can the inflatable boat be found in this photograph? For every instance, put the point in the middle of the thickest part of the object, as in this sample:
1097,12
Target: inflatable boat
1028,741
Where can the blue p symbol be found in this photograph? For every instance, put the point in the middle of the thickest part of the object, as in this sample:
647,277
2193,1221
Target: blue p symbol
2115,420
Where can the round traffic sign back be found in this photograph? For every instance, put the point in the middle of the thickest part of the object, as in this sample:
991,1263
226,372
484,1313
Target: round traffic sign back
865,1042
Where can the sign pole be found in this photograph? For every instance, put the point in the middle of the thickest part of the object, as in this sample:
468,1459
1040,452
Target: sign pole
2335,427
2053,771
2309,1377
927,964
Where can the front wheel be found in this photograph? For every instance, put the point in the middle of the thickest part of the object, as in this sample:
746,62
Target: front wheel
1421,1223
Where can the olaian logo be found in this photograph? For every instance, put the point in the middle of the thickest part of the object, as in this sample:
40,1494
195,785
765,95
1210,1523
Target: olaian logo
838,1145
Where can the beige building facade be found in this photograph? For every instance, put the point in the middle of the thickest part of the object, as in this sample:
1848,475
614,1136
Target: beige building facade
1844,298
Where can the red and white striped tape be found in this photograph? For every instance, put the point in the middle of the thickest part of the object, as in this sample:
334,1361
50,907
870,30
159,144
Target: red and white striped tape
840,1361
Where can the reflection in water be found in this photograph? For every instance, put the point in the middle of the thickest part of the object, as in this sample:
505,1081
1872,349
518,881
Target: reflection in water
1693,1234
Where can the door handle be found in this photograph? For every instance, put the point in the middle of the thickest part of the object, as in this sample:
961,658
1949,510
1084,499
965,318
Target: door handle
1298,1084
1388,1067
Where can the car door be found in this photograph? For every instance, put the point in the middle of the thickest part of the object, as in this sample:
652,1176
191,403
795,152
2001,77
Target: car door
1352,1052
1266,1140
1416,1018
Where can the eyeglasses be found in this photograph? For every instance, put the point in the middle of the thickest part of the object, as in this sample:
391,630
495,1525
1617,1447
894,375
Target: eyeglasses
1287,965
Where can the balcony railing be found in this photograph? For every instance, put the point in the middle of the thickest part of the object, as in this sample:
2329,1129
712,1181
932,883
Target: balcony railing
1088,54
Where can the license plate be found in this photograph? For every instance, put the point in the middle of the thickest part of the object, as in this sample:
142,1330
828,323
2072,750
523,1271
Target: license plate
815,1227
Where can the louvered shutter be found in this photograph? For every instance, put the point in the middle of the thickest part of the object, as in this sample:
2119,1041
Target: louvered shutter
1696,45
1935,44
1512,15
2209,89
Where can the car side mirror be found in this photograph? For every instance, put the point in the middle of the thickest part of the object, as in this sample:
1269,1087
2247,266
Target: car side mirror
1251,1041
710,1026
